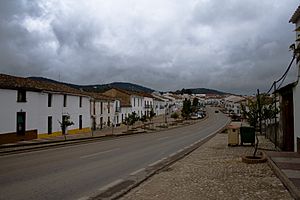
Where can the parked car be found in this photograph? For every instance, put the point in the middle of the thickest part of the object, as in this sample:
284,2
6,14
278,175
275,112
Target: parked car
197,116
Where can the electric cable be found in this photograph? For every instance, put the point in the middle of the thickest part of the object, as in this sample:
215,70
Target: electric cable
283,76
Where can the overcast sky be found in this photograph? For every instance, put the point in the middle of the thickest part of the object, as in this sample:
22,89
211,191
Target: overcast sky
230,45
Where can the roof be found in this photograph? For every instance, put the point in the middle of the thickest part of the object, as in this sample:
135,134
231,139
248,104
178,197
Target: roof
124,102
143,94
287,88
295,16
234,99
159,98
14,82
100,96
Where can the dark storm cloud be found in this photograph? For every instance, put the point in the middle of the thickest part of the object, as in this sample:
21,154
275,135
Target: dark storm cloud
236,46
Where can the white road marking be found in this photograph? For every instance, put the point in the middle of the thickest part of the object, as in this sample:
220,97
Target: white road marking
99,153
137,171
110,185
155,163
83,198
173,154
163,138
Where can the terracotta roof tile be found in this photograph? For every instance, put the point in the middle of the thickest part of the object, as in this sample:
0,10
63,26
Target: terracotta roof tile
295,16
13,82
100,96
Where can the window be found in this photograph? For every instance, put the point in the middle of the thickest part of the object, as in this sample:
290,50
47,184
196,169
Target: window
65,100
80,122
101,108
49,125
80,102
108,121
108,107
101,122
133,102
122,117
138,102
21,123
94,108
21,96
49,100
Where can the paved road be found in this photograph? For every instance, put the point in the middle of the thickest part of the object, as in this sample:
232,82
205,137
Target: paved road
78,171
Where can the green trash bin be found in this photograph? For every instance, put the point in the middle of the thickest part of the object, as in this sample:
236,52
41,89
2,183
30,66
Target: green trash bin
247,135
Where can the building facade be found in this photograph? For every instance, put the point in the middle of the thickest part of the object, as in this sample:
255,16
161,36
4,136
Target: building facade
35,109
295,19
104,111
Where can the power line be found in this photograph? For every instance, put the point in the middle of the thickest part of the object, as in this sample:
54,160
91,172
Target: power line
283,76
270,88
286,72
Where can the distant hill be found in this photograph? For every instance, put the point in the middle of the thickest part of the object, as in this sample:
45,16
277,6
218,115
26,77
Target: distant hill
130,87
121,85
101,88
199,91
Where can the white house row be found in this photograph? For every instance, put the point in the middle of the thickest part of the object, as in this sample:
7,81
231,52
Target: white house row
35,109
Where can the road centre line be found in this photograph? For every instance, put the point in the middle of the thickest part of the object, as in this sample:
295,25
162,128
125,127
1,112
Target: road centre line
99,153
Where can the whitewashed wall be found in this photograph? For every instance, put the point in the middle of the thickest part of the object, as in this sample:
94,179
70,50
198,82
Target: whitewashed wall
37,111
148,101
106,106
159,107
296,98
124,112
137,105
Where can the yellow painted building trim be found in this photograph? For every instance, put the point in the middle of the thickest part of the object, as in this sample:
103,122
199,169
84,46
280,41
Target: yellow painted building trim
59,133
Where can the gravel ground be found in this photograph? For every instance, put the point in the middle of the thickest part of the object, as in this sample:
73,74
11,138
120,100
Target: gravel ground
214,171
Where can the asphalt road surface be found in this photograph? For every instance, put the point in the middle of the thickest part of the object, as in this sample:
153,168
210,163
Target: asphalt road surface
78,171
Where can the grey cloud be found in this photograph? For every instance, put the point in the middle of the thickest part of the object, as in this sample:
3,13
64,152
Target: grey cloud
236,46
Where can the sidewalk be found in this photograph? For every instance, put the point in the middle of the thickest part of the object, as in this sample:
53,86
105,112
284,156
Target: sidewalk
286,165
214,171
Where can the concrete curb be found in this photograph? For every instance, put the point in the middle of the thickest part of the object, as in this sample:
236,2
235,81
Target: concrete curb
284,179
141,175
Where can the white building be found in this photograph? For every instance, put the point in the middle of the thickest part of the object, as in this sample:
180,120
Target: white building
104,111
175,102
296,89
232,104
129,102
137,105
34,109
160,104
148,104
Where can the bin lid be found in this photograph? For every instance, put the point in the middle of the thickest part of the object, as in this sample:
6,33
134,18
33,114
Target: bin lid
232,126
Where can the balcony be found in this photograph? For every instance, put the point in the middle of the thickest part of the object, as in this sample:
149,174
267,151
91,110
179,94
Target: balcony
118,109
148,106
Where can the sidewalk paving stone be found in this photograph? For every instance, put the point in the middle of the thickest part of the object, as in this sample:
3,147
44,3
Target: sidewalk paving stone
214,171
